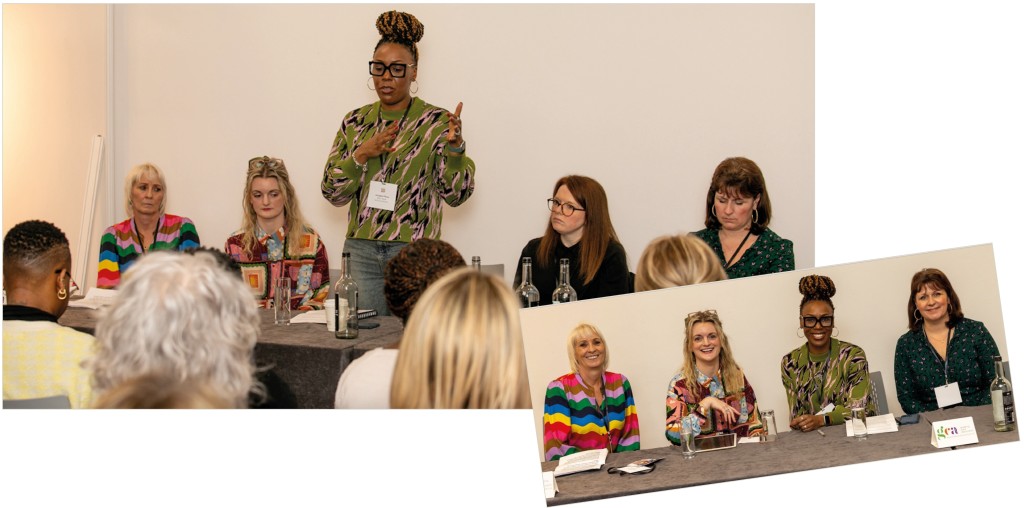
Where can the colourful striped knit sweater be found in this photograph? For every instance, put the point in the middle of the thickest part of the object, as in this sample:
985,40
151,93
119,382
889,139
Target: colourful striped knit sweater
120,247
573,422
426,173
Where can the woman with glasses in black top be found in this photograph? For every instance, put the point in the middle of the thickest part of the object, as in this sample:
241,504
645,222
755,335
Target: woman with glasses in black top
580,230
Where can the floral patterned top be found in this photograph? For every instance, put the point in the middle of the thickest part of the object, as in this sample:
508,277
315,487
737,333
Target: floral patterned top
306,266
683,408
839,377
770,253
919,368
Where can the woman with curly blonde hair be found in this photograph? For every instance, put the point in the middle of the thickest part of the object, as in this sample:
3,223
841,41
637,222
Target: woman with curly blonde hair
710,393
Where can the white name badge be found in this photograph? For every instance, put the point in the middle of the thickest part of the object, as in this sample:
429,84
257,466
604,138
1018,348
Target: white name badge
956,432
382,195
947,395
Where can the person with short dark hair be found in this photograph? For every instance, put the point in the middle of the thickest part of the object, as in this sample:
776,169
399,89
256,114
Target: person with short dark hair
395,162
736,217
41,358
941,347
366,382
579,229
824,370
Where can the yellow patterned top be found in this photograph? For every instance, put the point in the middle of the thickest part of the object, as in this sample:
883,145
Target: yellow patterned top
43,359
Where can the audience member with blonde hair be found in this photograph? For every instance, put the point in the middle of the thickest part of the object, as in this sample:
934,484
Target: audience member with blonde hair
462,348
147,228
188,317
679,260
157,391
589,408
366,382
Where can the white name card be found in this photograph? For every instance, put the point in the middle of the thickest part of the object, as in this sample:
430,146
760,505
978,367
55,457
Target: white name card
550,485
956,432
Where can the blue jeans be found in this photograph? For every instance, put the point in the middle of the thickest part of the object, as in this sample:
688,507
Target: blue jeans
369,257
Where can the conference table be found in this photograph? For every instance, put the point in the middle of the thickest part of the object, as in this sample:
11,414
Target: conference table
789,452
300,363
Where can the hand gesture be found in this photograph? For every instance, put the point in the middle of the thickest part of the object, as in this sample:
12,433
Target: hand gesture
729,414
455,127
378,144
807,423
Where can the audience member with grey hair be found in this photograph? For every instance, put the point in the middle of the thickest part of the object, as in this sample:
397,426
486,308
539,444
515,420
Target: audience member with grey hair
184,317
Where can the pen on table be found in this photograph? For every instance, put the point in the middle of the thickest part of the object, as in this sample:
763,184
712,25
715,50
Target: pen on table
821,432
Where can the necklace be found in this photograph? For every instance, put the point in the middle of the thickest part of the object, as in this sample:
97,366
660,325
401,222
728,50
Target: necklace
738,247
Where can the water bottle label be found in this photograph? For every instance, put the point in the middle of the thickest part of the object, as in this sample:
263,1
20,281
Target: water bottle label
1007,404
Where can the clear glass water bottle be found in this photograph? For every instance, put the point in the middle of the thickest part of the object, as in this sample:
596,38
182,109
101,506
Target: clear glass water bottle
527,293
346,302
1002,399
476,263
564,293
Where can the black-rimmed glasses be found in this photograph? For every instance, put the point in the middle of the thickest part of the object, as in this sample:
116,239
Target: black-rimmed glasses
565,209
812,321
397,70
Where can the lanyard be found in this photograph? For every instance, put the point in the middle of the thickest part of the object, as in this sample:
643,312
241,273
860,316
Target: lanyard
945,363
400,122
155,231
740,246
600,407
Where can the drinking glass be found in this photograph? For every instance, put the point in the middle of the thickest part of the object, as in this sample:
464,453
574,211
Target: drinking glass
768,420
687,446
282,301
860,423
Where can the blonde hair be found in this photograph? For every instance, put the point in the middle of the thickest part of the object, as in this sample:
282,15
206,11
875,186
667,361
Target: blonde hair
145,169
584,331
732,375
159,391
462,347
269,167
680,260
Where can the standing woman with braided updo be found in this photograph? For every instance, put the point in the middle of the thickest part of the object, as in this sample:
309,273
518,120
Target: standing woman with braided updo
825,371
396,161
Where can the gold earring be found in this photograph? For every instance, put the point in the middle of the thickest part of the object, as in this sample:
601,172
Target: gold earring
62,294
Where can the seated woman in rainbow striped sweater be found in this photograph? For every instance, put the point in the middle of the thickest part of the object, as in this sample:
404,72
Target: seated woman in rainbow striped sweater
589,408
147,228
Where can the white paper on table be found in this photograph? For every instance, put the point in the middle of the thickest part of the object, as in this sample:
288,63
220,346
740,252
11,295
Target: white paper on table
550,485
95,298
311,316
749,439
876,425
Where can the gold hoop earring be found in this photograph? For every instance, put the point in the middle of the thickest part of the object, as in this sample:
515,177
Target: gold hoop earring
835,332
755,216
800,333
917,316
62,294
413,92
369,84
713,214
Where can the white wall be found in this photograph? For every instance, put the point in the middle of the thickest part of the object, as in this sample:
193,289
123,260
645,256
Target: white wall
644,331
54,105
647,99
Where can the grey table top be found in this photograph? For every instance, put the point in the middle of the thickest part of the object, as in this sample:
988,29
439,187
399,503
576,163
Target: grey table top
790,452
